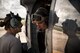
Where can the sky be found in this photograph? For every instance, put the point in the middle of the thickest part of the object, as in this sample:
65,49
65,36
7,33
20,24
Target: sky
11,5
65,10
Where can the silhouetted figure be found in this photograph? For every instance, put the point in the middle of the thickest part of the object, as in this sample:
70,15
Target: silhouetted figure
73,43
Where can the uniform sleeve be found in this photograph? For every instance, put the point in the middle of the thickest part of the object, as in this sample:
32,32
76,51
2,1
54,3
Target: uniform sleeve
16,47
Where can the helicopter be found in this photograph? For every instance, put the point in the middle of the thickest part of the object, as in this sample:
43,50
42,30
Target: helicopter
65,9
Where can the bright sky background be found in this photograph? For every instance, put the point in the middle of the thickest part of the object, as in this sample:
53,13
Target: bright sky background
11,5
65,10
